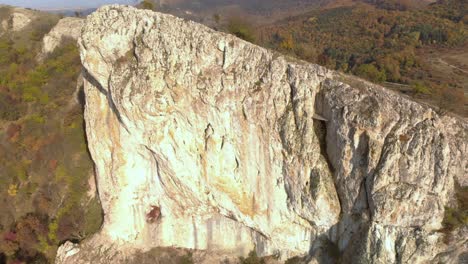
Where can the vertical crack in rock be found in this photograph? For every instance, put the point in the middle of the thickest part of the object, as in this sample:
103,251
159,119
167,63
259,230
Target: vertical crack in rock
89,78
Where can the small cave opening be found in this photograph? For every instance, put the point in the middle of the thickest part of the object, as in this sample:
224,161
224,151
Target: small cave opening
320,129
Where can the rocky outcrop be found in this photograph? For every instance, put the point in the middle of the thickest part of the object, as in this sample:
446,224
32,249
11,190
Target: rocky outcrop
69,27
222,137
17,20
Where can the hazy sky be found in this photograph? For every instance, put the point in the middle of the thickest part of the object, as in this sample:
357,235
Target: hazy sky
60,4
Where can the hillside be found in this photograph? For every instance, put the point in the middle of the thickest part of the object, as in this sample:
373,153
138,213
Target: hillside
412,51
45,169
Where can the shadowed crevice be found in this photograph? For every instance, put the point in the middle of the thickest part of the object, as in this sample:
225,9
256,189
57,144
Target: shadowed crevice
89,78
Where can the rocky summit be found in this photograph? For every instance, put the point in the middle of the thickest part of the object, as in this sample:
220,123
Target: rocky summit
204,141
68,27
17,20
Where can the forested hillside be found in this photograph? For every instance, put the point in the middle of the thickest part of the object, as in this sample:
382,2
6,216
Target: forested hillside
408,50
45,169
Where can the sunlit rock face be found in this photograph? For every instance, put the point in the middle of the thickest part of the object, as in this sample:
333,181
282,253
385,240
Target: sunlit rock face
68,27
241,148
17,20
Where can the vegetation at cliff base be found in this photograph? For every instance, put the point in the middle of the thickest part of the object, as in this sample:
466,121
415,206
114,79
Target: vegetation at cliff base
252,258
456,216
166,255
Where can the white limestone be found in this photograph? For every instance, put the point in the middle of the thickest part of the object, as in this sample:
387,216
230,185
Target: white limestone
222,135
17,20
68,27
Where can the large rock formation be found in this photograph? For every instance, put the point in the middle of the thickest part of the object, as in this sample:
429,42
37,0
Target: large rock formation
204,141
17,20
68,27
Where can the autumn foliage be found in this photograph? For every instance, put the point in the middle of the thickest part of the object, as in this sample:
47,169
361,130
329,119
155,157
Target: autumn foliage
44,163
385,41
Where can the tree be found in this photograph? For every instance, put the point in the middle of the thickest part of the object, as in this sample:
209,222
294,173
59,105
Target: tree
421,88
287,43
241,29
464,19
370,72
391,67
147,4
8,247
451,98
217,18
28,230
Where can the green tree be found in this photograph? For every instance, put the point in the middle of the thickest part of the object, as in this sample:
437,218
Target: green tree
370,72
217,18
241,29
147,4
421,88
287,43
391,67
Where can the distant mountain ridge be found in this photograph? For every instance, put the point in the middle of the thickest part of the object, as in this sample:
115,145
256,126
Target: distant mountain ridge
73,12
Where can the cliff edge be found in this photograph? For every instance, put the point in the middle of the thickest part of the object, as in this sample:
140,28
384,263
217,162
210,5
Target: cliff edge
205,141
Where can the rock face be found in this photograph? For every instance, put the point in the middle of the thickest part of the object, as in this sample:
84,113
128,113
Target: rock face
222,137
69,27
17,20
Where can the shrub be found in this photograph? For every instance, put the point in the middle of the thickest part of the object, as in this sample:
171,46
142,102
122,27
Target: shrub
241,29
458,215
42,204
391,67
28,230
287,43
187,259
252,258
10,108
93,217
8,247
217,18
420,88
451,99
13,190
370,72
21,173
37,118
13,131
147,4
52,235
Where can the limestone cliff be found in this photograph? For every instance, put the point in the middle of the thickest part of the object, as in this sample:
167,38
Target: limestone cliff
68,27
238,148
18,19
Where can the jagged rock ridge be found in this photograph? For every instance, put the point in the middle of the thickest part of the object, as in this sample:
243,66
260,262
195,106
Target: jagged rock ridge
68,27
17,20
220,135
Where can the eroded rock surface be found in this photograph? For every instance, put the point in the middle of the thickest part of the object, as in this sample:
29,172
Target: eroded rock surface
69,27
16,21
222,137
